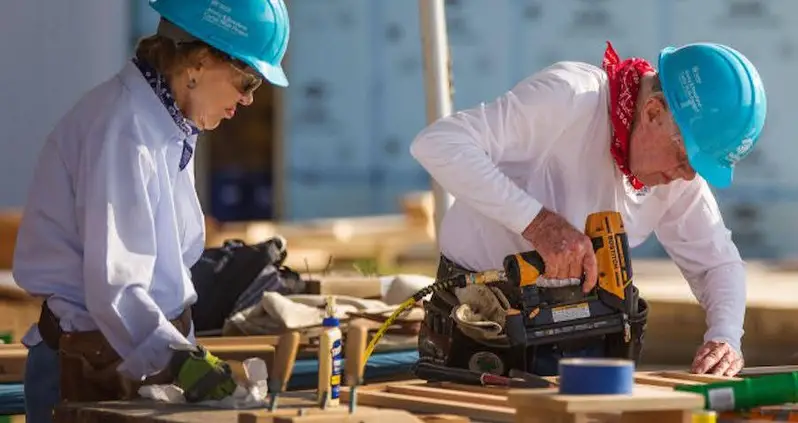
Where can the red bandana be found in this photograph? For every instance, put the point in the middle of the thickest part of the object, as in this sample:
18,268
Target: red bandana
624,79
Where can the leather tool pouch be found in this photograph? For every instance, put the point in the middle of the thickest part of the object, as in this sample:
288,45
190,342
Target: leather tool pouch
616,345
88,362
441,342
638,328
435,335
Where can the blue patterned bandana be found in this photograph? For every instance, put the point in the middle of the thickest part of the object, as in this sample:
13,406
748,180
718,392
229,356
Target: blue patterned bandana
164,93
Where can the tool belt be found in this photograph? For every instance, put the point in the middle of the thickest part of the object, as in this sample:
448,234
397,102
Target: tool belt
88,362
444,341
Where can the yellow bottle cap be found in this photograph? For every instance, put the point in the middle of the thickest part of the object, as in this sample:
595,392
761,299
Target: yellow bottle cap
705,416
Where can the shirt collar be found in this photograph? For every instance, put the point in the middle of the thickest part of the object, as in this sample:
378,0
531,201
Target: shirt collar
164,92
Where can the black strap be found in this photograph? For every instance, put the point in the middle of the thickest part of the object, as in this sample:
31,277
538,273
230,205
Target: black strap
49,327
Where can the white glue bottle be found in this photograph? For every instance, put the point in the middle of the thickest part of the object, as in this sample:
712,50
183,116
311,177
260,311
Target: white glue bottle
330,356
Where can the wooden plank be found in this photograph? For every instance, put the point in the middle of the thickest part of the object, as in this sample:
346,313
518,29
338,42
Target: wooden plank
444,418
340,415
449,394
295,410
382,399
490,390
259,340
146,411
355,286
360,416
654,380
703,378
140,412
643,398
12,363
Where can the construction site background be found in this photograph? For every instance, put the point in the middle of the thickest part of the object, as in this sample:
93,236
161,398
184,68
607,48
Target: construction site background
335,144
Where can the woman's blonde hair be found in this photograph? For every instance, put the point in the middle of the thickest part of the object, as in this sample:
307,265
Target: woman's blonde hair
169,57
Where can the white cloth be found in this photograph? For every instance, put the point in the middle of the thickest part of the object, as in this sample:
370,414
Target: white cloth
276,313
249,393
546,143
111,225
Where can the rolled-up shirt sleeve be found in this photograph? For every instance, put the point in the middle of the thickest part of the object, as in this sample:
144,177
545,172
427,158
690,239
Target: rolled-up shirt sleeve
120,255
461,151
693,233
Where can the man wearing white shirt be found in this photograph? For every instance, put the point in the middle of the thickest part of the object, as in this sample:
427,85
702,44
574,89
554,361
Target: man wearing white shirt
528,168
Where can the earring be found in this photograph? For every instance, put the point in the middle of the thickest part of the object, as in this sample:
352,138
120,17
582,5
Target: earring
192,83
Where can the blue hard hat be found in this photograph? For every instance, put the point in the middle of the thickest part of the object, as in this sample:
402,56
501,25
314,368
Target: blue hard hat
253,31
718,101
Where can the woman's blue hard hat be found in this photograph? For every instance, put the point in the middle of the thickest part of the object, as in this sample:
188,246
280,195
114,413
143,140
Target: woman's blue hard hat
253,31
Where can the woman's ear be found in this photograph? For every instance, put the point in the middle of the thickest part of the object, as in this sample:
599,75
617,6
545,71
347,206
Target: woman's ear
198,63
200,59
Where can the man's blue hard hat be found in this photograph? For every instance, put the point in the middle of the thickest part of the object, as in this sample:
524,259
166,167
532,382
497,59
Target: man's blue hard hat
253,31
718,101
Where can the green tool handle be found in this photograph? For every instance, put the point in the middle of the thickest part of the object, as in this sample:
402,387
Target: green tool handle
747,393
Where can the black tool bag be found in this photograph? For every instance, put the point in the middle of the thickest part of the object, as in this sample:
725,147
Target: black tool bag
234,276
442,342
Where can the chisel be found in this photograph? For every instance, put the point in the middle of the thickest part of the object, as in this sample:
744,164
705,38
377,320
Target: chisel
437,373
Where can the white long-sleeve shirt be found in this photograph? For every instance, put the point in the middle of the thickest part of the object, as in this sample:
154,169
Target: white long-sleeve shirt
112,225
545,143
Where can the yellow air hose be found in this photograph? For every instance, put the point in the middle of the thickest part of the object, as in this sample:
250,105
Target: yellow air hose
458,281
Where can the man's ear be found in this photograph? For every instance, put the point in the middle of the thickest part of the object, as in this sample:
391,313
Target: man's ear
655,109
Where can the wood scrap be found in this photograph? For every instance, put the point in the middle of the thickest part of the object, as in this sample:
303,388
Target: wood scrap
354,286
12,363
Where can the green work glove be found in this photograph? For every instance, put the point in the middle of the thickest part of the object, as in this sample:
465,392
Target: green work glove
201,375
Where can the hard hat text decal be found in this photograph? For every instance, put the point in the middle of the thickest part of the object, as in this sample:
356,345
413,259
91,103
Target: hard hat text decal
218,13
689,79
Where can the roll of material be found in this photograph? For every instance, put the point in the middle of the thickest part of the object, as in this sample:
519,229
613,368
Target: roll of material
596,376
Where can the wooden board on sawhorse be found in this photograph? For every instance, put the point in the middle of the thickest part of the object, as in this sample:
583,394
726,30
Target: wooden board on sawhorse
652,401
301,407
491,404
341,415
646,404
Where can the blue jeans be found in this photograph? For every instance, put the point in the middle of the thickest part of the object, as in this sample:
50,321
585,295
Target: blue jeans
42,380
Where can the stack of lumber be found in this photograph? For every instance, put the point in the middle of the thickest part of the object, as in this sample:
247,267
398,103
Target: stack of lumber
313,244
653,401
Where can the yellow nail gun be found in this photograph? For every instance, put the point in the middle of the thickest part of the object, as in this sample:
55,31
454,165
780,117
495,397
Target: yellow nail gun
556,314
560,313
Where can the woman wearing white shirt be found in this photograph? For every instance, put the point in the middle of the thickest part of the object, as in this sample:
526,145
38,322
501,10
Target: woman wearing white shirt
113,223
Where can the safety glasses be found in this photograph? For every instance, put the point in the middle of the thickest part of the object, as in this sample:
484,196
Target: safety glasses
247,82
